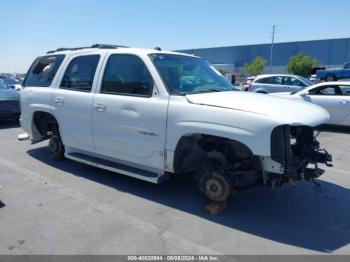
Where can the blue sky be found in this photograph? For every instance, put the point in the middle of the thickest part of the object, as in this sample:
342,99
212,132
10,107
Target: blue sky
30,27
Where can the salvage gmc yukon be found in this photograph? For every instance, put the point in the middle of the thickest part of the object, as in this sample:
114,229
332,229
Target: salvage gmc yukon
151,114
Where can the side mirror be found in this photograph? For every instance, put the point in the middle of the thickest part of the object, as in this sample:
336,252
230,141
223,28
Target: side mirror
303,93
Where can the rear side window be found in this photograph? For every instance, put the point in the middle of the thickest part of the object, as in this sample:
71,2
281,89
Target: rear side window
261,80
43,71
80,73
127,75
277,80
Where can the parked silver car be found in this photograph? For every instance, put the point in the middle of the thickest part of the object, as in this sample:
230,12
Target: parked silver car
278,83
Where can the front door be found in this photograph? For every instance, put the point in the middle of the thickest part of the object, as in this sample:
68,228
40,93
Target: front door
129,116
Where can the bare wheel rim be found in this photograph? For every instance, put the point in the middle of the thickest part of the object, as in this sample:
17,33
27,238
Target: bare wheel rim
217,188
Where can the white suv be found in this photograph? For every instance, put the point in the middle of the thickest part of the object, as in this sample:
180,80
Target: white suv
151,114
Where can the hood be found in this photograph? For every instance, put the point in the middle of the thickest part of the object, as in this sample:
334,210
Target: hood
9,95
283,110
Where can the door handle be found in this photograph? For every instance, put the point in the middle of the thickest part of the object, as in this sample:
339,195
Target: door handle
59,101
100,106
344,102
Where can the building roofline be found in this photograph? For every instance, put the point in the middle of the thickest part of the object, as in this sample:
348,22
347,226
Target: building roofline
262,44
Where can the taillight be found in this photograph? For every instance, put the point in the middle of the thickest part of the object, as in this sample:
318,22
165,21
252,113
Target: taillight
250,85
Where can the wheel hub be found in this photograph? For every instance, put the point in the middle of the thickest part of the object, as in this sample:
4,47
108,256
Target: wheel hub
217,188
214,188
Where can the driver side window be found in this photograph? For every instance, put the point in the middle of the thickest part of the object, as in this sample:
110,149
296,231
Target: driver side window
291,81
127,75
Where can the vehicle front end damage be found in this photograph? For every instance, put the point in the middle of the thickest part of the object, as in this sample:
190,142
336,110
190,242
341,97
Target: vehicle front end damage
295,155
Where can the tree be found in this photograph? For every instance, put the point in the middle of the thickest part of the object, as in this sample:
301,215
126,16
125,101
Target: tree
302,65
222,71
256,67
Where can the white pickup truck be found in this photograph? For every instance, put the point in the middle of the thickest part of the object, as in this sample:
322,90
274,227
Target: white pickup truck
151,114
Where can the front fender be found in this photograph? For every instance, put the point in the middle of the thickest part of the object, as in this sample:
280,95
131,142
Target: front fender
250,129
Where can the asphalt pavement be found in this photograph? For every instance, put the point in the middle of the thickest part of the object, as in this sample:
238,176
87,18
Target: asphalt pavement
70,208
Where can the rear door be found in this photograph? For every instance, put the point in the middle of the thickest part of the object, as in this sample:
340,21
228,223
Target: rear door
129,115
275,84
332,99
72,101
269,84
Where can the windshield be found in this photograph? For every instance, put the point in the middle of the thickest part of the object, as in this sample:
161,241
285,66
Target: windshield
307,81
3,85
189,75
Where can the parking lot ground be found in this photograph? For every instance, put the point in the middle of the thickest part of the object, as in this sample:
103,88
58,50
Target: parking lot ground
70,208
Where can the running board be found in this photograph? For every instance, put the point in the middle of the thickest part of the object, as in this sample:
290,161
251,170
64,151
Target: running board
118,168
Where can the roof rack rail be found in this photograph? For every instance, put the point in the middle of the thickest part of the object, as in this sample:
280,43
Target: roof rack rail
100,46
65,49
107,46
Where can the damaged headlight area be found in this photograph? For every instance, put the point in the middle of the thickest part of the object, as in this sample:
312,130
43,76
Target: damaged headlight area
298,153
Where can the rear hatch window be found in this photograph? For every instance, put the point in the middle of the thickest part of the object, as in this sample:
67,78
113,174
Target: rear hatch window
43,71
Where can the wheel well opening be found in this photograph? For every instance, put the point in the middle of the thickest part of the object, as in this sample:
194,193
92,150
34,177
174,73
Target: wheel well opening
44,124
193,148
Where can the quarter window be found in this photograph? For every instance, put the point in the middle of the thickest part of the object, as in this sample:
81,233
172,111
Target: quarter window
43,71
127,75
80,73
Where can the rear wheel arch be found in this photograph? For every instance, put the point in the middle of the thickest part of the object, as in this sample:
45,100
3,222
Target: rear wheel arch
44,123
45,126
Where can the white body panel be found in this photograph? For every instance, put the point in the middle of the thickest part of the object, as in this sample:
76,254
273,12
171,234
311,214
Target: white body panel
337,105
131,129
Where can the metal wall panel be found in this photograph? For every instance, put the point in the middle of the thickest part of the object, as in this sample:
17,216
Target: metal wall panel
328,52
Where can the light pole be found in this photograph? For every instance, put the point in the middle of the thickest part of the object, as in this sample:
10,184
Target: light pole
272,44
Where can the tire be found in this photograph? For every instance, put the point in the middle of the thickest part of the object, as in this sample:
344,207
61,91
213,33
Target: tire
56,148
212,182
330,78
